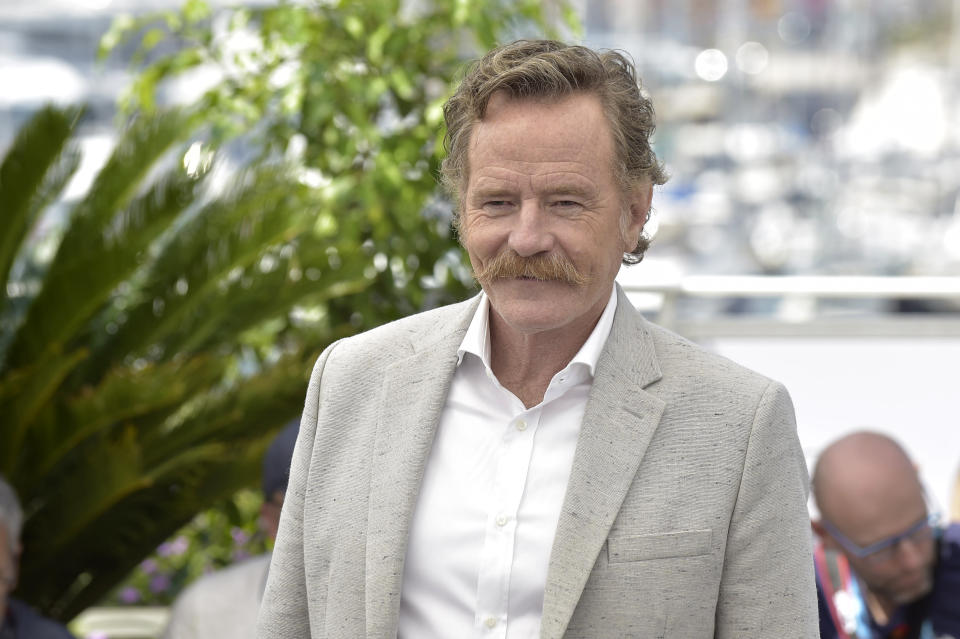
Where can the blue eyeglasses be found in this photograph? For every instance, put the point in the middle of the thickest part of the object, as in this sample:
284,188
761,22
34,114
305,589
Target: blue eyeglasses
885,549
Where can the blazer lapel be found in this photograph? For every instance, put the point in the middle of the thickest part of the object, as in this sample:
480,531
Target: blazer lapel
619,420
414,392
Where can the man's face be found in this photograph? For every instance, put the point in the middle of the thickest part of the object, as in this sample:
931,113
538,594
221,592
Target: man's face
541,185
904,572
904,577
270,514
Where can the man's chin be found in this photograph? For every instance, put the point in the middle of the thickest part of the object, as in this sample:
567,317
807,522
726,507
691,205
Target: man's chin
913,591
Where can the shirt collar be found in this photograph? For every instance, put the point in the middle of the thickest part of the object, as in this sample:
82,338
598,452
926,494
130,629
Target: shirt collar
476,341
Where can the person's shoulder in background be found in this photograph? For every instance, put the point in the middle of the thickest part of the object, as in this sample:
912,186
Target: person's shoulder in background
221,604
31,625
946,589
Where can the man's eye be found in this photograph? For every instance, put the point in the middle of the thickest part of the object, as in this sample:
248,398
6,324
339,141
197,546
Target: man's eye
567,204
497,204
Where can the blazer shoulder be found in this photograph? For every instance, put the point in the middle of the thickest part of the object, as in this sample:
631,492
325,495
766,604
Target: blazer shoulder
408,334
679,356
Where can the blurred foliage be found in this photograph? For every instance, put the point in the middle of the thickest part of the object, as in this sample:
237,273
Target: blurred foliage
156,332
131,396
349,94
215,538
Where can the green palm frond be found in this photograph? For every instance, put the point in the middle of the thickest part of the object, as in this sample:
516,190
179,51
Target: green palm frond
132,488
93,562
23,393
90,452
259,301
91,262
142,145
195,260
127,393
33,172
273,395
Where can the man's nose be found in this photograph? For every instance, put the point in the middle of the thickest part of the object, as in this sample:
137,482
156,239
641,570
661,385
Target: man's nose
910,553
531,234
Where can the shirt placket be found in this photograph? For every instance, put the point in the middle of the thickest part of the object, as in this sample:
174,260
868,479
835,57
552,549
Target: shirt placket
496,563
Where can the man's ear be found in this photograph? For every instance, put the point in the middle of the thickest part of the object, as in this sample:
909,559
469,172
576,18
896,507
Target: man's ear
637,214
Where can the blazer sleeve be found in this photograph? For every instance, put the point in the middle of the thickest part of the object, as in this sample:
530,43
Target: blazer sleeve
284,611
767,587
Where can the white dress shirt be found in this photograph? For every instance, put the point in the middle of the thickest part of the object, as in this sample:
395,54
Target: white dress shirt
491,495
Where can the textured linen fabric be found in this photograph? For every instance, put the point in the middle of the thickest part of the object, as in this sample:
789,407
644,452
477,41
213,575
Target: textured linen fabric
486,515
684,517
221,605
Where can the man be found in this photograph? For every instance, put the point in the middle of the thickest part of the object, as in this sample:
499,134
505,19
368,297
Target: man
884,568
540,460
224,605
17,619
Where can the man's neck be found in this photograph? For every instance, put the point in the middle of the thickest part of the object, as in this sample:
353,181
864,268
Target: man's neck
525,363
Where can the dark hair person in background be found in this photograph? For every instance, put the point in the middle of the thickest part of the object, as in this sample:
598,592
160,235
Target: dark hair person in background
541,461
885,568
224,605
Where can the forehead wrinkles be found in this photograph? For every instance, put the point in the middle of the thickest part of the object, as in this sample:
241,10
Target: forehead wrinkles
509,142
537,178
566,181
528,138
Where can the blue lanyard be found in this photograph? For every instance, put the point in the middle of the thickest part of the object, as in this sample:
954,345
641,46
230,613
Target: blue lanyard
862,617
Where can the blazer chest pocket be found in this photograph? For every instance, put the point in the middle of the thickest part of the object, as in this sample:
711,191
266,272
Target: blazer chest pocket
680,543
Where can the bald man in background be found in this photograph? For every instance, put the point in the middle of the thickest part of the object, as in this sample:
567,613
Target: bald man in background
885,567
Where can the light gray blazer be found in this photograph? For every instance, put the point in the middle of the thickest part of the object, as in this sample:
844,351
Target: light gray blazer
685,515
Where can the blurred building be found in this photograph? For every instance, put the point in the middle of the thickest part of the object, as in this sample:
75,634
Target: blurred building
803,136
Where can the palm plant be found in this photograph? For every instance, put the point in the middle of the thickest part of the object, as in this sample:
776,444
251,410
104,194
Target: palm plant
145,363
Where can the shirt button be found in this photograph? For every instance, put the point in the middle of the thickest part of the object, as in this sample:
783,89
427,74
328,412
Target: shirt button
501,520
491,622
521,425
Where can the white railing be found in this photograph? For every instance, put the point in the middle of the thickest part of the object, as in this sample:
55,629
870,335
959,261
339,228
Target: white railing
799,311
821,286
121,622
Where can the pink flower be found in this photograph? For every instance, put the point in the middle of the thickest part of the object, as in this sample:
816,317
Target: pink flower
159,583
129,595
174,548
240,537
